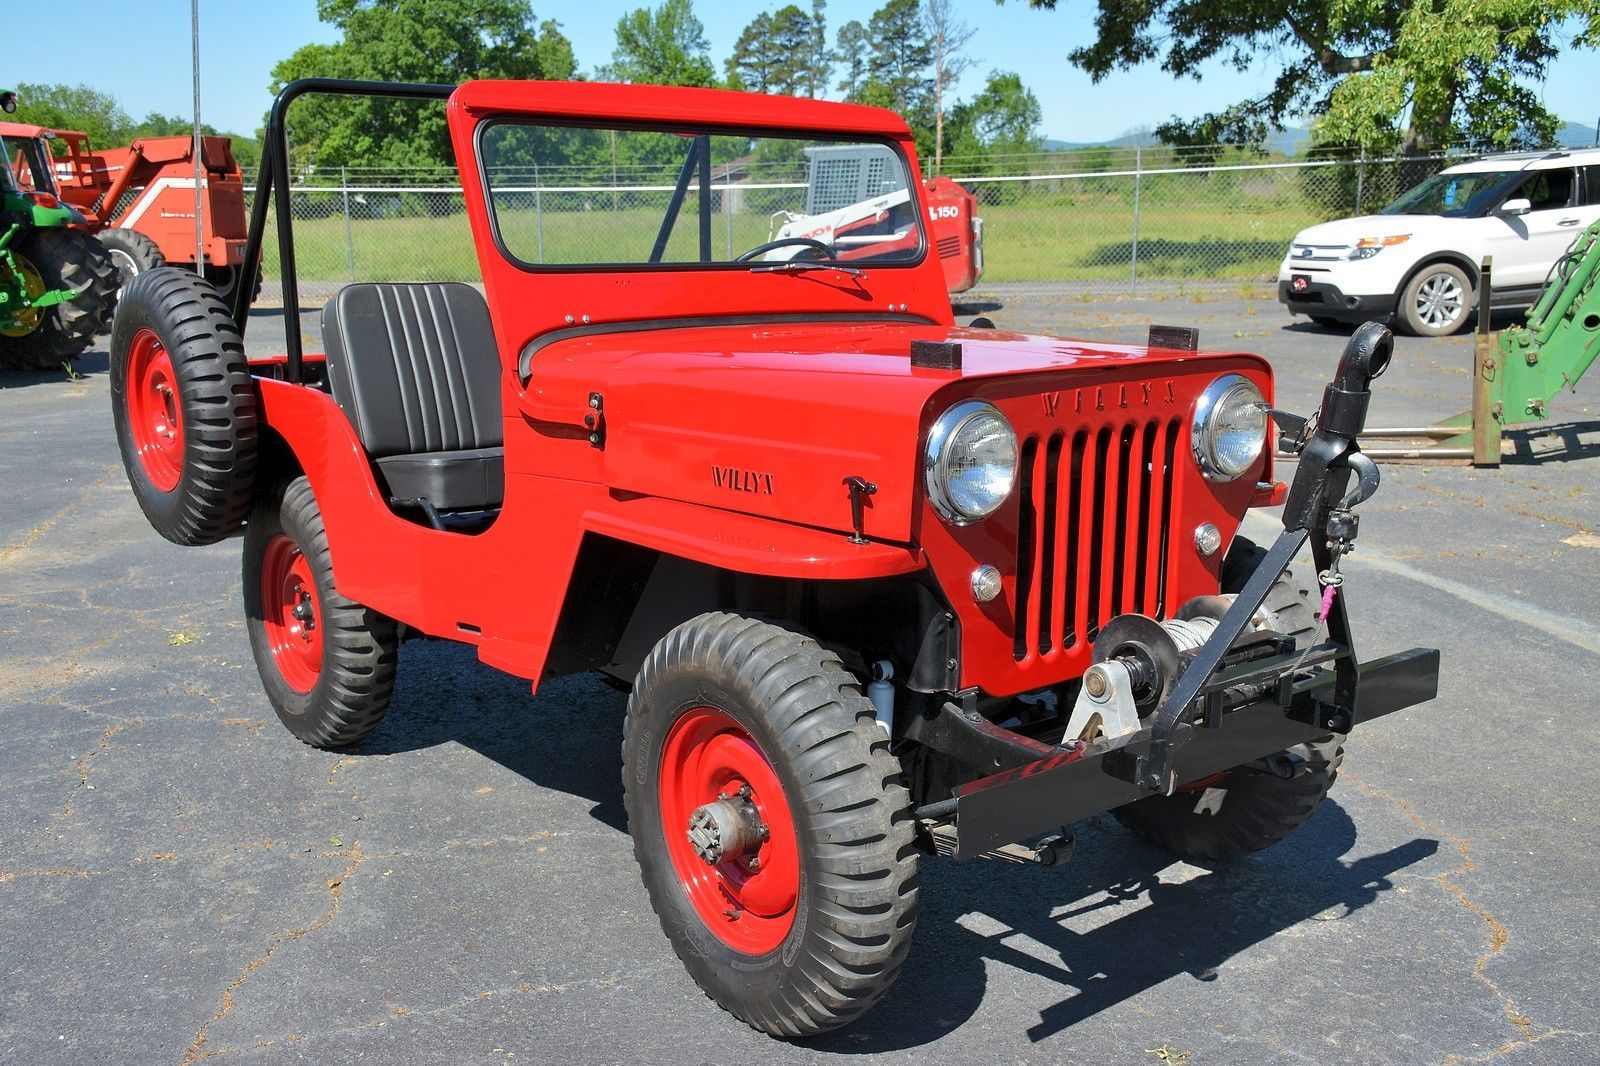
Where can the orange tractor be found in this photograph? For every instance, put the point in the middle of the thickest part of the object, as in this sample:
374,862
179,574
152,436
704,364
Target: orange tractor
139,200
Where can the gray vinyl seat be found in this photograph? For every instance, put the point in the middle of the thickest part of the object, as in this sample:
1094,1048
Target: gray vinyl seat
414,368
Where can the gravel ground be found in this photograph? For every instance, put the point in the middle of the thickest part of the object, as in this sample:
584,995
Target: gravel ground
179,879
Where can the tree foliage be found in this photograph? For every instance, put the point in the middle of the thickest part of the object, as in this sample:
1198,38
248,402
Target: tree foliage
1379,73
444,41
662,46
1003,119
79,107
775,54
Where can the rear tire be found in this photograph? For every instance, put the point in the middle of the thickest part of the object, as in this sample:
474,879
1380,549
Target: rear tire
64,259
327,663
184,405
132,252
813,932
1256,809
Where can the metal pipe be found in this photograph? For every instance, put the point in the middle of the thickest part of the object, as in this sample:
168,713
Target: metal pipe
1442,432
1424,452
199,164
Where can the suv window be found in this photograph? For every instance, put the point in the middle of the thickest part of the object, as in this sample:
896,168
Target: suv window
1453,195
1546,190
1591,185
567,196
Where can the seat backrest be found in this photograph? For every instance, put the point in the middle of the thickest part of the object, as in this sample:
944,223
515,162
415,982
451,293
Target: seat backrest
414,366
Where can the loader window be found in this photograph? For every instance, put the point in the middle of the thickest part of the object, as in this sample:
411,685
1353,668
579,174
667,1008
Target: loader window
569,197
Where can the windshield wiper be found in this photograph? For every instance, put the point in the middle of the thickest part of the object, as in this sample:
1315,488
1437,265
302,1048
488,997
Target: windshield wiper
795,266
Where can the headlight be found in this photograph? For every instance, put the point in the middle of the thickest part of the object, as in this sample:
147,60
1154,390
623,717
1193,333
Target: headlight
1367,247
971,462
1230,427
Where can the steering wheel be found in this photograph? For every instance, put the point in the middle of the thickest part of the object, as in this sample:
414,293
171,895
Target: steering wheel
784,242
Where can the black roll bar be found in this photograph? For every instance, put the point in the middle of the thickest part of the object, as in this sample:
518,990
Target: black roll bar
272,186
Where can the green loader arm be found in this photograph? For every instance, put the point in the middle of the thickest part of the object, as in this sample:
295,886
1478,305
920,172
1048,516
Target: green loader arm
1559,342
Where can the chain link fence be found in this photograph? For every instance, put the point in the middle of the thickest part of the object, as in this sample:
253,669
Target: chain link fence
1099,220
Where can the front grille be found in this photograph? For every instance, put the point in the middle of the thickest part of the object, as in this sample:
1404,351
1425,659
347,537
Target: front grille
949,247
1096,516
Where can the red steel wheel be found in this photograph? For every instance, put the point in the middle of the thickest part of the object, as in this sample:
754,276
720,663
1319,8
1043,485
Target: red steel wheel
153,415
290,613
728,831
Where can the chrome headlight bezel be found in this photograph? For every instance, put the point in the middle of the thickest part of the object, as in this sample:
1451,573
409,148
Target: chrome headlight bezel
944,434
1219,396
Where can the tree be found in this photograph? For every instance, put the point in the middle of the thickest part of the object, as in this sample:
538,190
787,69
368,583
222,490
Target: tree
819,60
79,107
773,54
73,107
410,40
1002,119
947,38
663,46
851,53
900,56
750,67
1455,72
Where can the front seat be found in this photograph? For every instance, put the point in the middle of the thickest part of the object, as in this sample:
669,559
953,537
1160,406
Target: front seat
415,369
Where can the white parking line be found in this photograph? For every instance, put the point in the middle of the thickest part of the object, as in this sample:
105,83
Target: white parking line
1564,627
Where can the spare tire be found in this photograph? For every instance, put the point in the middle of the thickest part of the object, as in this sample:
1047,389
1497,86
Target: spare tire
184,405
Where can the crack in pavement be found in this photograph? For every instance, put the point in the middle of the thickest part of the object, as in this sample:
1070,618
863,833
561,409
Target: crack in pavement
83,765
196,1049
1499,935
31,537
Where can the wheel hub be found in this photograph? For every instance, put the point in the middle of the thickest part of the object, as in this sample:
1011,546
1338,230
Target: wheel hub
728,828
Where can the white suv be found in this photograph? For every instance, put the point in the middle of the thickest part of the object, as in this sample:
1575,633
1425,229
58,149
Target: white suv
1417,259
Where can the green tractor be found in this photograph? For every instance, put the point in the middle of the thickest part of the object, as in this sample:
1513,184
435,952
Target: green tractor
58,287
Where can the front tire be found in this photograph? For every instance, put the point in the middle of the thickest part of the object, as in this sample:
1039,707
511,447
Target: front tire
132,252
1436,301
327,663
769,823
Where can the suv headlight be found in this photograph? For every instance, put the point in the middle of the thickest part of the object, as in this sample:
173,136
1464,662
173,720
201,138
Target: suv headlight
1230,427
970,462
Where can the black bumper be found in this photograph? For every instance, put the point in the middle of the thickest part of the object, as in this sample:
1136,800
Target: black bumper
1068,786
1305,295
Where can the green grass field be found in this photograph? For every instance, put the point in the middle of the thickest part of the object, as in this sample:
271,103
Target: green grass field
1085,236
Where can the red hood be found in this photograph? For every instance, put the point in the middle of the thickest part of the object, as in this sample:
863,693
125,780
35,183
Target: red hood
771,419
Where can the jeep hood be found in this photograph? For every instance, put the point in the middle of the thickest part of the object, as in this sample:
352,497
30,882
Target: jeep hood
773,419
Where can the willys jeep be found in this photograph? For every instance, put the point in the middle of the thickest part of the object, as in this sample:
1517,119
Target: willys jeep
880,586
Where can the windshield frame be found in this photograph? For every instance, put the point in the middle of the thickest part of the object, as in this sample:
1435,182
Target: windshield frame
691,137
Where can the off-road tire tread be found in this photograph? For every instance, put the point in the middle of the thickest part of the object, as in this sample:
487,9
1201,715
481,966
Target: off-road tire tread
144,252
71,259
360,646
864,908
218,401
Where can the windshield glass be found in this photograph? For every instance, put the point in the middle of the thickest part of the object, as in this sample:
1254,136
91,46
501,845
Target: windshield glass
569,196
1454,195
27,164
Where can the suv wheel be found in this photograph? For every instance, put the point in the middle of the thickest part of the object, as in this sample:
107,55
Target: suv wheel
769,823
1436,301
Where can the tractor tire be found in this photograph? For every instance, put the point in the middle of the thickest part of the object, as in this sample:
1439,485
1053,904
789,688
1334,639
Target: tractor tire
1233,814
1436,301
795,915
64,259
184,406
226,279
132,252
327,663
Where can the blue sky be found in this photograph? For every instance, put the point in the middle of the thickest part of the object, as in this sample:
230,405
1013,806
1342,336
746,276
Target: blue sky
139,52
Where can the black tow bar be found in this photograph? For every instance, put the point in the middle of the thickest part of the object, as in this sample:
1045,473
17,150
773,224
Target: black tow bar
1189,737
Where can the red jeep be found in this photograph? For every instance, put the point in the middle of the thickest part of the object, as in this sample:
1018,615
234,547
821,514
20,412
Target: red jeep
880,585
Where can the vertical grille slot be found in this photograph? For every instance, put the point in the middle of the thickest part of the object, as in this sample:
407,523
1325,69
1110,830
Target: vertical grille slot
1026,563
1094,525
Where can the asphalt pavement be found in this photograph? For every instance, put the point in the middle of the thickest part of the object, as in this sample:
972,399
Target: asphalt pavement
180,879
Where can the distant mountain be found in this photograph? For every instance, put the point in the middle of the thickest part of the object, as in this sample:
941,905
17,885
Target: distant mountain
1575,135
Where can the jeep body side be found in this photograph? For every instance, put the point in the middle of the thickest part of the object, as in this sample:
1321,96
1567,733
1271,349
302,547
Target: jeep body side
878,584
